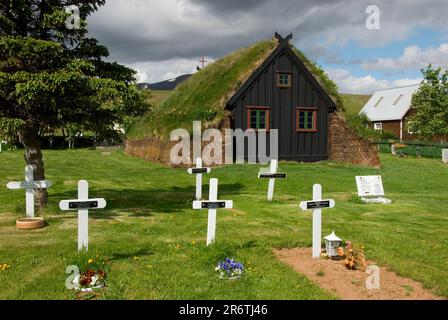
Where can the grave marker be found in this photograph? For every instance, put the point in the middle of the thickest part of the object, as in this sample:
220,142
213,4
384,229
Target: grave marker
271,174
370,189
198,171
317,204
445,156
212,205
29,185
83,204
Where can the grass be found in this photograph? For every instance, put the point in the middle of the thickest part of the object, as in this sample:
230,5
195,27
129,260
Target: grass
353,103
158,96
155,243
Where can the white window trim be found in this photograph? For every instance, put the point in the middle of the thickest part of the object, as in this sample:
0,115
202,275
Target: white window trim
378,126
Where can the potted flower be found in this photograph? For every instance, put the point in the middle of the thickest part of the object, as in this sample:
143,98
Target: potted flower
230,269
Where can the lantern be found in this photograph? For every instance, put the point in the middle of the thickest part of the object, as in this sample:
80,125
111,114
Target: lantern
332,242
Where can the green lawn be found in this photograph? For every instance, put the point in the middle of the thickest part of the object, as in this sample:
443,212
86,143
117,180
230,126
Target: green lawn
353,103
155,242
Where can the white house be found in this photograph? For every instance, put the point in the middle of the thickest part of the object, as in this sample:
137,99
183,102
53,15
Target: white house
389,110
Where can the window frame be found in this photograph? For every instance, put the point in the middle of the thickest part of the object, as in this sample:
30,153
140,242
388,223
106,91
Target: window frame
287,73
315,113
267,110
379,124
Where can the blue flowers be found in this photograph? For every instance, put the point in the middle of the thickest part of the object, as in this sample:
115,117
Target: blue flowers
230,268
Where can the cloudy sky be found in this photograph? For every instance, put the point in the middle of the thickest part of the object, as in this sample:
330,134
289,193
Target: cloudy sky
165,38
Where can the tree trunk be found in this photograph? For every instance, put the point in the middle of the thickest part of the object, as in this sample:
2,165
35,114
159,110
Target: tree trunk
30,139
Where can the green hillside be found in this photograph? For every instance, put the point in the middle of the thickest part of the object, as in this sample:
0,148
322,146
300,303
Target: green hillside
353,103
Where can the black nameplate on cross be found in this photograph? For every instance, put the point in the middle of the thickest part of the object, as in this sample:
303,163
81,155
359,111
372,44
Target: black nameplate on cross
198,170
273,175
213,205
83,205
318,204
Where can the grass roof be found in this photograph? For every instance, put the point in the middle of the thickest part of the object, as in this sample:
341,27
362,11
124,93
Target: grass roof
203,97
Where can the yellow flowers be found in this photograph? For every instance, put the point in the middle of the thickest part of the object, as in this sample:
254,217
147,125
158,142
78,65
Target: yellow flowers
4,266
193,242
90,261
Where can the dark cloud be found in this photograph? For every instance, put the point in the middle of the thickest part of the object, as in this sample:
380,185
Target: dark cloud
144,31
229,6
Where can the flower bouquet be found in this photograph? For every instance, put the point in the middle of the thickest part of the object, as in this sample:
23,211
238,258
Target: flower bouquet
90,280
230,269
91,274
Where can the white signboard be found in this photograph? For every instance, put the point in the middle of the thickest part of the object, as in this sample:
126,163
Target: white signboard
445,156
370,186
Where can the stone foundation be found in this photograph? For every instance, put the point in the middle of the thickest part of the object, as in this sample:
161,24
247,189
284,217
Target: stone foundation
151,149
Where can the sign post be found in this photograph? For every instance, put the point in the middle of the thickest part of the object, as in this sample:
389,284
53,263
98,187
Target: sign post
83,204
212,205
317,204
198,171
271,175
29,185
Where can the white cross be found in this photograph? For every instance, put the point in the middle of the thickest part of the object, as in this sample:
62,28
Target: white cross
198,171
29,185
271,174
212,205
83,204
317,205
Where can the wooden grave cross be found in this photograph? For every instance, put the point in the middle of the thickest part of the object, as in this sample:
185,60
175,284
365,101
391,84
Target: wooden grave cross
83,204
317,204
203,61
29,185
272,174
212,204
198,171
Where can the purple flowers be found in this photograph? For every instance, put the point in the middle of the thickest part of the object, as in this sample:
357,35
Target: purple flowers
230,268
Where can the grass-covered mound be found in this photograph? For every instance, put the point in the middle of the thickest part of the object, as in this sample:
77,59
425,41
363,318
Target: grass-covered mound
204,95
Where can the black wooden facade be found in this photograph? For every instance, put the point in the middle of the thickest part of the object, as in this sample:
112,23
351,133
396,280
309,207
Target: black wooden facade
283,93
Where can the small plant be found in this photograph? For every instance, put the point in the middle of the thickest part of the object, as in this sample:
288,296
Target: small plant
230,269
320,273
357,200
355,258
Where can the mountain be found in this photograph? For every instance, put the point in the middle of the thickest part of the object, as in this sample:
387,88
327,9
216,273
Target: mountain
170,84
